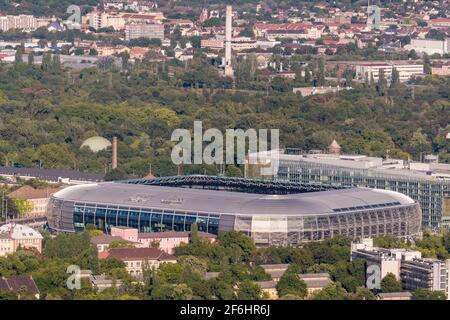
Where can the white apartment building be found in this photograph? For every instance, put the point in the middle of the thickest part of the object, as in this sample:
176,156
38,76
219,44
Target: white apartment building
144,30
406,71
413,271
429,46
98,20
22,22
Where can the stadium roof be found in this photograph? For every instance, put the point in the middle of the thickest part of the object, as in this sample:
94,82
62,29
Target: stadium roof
168,197
260,186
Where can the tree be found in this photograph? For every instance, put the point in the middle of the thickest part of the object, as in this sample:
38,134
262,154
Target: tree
46,61
31,58
18,56
362,294
333,291
395,78
120,244
321,73
290,283
247,31
426,64
382,82
248,290
419,144
20,207
424,294
238,240
390,284
116,174
172,292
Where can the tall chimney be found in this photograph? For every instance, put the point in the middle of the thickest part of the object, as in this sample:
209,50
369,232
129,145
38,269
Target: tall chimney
228,34
114,153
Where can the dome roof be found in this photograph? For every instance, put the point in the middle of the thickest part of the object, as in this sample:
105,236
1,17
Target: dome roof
96,144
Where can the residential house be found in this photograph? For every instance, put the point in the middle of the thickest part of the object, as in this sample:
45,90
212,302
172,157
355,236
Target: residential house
15,236
36,198
19,285
137,258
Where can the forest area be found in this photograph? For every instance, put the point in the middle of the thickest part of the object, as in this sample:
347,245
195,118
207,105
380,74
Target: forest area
47,111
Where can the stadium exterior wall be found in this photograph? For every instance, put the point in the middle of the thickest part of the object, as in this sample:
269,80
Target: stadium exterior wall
281,227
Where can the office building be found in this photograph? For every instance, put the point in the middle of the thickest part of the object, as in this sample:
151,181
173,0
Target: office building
406,71
427,183
21,22
144,30
429,46
408,266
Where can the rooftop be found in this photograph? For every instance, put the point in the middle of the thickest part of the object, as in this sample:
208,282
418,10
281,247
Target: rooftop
28,192
19,232
199,199
140,253
51,174
15,283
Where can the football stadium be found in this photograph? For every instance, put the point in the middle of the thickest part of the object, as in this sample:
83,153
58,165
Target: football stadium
270,212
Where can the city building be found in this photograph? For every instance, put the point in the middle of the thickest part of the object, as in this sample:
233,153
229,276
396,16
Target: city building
99,20
427,183
387,260
429,46
26,23
165,241
18,284
136,259
102,242
144,30
431,274
274,31
15,236
408,266
36,198
270,288
308,91
270,212
405,295
441,69
406,71
50,175
316,281
275,270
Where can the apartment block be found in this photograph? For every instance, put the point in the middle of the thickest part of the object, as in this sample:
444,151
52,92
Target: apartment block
406,71
413,271
22,22
144,30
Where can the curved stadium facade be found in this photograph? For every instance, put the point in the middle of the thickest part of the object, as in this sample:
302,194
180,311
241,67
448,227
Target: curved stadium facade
270,212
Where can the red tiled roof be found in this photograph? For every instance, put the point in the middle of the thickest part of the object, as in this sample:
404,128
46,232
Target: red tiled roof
28,192
140,253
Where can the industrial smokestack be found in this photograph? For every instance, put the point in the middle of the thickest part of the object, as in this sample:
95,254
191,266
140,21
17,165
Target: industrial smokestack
228,34
114,153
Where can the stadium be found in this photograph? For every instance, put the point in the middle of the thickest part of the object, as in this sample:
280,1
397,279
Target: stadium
270,212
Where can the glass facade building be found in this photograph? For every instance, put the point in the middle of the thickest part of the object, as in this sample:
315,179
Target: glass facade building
430,193
267,219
